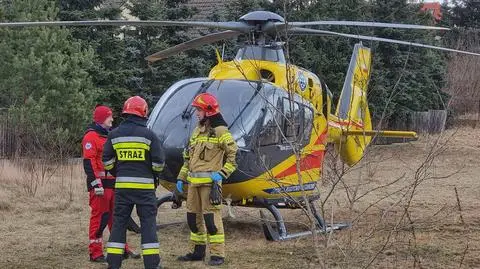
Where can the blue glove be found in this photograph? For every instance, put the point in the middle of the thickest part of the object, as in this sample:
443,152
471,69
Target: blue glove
180,186
216,177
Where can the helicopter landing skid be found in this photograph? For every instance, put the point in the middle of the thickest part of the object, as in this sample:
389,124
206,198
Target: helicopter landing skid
280,232
164,199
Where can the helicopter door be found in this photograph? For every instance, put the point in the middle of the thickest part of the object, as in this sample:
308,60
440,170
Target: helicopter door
298,120
285,124
270,136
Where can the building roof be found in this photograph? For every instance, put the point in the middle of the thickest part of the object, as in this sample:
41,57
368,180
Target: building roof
207,7
433,8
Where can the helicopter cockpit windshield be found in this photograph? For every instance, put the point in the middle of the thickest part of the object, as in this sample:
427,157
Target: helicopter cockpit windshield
241,104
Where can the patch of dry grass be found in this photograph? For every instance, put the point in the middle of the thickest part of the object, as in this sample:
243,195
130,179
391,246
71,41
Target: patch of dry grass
49,230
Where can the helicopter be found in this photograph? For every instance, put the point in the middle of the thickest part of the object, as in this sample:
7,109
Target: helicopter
279,114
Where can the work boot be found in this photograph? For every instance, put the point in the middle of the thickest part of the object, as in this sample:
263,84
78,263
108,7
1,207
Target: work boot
131,254
216,260
197,255
100,259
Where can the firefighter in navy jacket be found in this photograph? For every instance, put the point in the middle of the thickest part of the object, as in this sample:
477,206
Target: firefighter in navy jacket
133,152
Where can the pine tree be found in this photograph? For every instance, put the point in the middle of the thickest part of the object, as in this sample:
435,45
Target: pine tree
405,78
43,77
111,70
151,80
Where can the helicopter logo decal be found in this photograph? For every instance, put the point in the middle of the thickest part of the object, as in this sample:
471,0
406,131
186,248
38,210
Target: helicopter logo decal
302,81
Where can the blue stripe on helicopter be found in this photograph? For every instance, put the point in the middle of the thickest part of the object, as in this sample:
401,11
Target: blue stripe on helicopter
293,188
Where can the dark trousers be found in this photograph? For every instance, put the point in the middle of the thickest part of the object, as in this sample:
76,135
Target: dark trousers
146,204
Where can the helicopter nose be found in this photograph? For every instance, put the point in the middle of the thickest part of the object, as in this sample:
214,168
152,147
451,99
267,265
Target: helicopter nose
173,146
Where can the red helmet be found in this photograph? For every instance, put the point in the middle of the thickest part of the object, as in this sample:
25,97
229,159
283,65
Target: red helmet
136,105
208,103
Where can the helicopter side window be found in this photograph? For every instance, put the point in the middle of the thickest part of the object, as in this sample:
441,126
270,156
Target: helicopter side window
293,119
307,123
272,125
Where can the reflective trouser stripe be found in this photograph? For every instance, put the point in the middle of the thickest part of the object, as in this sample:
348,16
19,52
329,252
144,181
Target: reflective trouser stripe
115,248
150,245
118,251
198,238
115,245
150,251
218,238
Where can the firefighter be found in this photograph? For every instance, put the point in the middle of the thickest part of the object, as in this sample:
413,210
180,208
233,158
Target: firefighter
99,185
132,152
208,160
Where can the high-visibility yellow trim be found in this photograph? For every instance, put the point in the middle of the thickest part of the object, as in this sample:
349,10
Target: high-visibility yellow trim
125,185
151,251
199,180
111,161
108,167
157,168
229,167
226,138
196,237
205,139
131,145
139,139
118,251
184,170
218,238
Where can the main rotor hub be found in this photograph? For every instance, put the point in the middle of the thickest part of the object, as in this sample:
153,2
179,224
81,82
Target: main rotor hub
261,17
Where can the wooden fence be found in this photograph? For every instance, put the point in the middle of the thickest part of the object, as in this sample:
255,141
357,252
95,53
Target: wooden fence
428,122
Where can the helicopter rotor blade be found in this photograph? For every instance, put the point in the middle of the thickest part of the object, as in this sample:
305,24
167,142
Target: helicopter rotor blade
191,44
234,26
364,24
305,31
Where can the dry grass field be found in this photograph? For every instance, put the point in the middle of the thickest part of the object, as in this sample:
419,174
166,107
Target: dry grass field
402,203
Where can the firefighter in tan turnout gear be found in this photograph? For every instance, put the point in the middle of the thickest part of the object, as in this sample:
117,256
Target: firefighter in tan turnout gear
208,160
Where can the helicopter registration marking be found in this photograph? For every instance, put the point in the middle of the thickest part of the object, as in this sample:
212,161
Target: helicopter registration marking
293,188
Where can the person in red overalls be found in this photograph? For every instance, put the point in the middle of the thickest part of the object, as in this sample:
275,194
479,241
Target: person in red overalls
100,185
